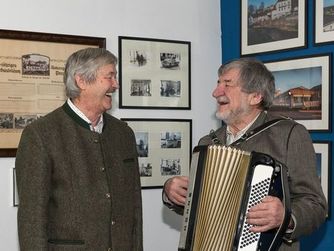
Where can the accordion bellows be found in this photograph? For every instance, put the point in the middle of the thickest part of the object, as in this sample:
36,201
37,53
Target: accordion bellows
224,183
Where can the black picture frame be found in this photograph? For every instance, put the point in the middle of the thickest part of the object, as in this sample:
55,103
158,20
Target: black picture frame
164,148
272,27
303,90
323,150
154,73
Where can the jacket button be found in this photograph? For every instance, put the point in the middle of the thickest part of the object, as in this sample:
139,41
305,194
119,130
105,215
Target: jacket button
113,222
108,195
96,141
103,169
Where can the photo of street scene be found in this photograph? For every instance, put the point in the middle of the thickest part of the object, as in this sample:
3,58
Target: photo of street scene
170,167
272,20
170,60
171,140
142,143
145,169
140,87
138,57
169,88
6,121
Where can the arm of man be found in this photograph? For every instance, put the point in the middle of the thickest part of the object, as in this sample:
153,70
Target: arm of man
308,203
33,183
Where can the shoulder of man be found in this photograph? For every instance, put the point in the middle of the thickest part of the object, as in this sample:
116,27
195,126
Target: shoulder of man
111,119
219,134
285,121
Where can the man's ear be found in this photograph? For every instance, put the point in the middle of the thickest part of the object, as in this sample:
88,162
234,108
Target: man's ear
80,81
255,98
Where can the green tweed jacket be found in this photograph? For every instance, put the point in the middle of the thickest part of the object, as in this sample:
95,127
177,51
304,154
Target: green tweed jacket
78,190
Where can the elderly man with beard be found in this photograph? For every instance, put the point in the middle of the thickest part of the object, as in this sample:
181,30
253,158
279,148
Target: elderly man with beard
244,93
77,168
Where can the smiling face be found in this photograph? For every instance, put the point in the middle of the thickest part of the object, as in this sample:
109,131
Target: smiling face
97,96
234,106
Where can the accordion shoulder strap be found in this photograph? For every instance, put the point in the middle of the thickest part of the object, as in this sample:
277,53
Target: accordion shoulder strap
250,134
257,130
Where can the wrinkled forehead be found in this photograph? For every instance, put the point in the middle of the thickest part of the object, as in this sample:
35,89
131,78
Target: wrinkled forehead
229,73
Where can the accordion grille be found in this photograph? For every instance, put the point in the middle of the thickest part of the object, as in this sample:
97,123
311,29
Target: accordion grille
222,185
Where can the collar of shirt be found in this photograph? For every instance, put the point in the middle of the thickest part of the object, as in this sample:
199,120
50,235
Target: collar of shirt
99,126
230,138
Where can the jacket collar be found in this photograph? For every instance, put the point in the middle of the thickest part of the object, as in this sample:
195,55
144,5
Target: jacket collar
75,116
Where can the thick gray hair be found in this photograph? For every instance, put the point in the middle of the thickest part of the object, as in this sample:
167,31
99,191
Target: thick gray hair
254,77
86,63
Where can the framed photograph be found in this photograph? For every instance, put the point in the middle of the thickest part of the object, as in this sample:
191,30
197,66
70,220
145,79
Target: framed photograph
303,90
31,78
164,148
272,25
154,73
323,21
323,150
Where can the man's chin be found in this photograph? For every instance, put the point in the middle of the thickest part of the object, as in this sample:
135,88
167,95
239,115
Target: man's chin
108,105
222,116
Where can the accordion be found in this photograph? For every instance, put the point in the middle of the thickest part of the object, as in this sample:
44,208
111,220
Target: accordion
224,183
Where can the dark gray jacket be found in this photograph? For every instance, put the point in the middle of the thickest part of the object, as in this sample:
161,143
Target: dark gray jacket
290,143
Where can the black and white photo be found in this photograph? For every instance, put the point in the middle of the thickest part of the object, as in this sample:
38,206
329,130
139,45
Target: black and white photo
170,88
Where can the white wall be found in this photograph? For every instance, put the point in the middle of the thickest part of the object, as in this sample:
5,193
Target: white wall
196,21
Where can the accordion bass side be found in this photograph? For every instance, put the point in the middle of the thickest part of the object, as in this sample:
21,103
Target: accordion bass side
224,183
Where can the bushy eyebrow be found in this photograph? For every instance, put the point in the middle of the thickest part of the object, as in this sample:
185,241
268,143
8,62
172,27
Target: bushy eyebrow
225,81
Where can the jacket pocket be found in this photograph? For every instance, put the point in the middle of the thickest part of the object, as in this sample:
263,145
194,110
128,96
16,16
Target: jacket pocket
66,245
66,242
129,160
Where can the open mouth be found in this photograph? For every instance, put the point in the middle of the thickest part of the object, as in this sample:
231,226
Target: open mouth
222,101
109,94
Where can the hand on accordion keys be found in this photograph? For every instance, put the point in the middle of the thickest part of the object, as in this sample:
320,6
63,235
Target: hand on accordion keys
176,189
268,214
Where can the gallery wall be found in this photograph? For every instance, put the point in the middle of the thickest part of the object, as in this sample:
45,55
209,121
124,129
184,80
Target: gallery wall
195,21
322,239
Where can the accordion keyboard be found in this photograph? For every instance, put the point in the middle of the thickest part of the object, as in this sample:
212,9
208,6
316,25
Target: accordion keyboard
258,192
260,186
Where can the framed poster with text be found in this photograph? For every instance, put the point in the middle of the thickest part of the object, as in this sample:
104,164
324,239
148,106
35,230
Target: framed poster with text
31,78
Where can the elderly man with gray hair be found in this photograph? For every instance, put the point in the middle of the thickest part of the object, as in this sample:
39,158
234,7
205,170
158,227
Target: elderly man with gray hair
77,167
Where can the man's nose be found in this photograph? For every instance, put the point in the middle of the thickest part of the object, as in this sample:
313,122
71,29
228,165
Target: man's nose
115,83
218,91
